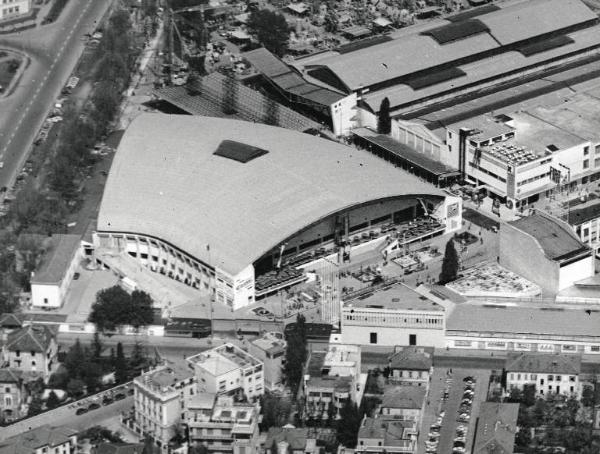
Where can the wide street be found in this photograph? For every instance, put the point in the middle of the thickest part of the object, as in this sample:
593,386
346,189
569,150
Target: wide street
53,51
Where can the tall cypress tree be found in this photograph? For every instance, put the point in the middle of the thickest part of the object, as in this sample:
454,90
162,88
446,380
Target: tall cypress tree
120,365
450,264
384,122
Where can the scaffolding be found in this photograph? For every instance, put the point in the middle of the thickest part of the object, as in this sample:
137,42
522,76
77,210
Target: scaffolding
329,278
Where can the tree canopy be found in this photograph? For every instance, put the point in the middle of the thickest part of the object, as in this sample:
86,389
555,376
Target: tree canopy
114,307
296,353
450,264
384,122
271,30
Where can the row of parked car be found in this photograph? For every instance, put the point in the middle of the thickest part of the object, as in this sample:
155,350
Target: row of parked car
464,416
106,398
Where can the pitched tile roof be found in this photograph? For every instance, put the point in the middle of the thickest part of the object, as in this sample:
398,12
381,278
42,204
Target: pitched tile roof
30,338
8,320
120,448
295,437
544,363
496,428
409,397
28,442
10,375
411,358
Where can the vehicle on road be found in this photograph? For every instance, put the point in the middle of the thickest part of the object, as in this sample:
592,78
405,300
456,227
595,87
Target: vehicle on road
120,396
81,411
76,276
94,406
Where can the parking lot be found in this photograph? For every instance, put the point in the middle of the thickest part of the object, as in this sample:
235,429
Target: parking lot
451,412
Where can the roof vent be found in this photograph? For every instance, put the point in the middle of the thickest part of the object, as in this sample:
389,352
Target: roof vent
238,151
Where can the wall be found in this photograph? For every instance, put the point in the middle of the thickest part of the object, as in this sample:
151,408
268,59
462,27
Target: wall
243,288
24,8
46,295
574,272
342,113
532,343
360,335
533,265
410,135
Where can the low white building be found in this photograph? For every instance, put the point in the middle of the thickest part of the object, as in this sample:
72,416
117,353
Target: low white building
9,9
551,374
229,370
51,279
393,316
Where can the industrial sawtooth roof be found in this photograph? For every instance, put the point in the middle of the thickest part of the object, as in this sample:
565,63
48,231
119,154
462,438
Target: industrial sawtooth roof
458,38
166,182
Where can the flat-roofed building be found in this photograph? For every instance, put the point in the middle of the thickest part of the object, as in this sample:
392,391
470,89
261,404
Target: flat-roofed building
411,366
229,370
222,425
395,315
555,258
496,428
525,328
549,373
378,435
586,222
270,349
332,378
159,396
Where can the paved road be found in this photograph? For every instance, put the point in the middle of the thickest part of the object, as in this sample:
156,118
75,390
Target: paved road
53,51
65,416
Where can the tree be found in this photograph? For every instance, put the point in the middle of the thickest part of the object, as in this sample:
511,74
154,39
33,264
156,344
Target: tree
53,401
529,393
348,425
141,309
295,354
384,122
331,21
75,387
138,355
75,360
97,347
271,30
120,365
587,396
35,407
449,264
275,411
523,437
515,395
99,434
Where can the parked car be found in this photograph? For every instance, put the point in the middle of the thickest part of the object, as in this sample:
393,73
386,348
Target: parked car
120,396
107,400
76,276
81,411
94,406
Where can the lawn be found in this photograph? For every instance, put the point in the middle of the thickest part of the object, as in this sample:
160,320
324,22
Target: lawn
8,69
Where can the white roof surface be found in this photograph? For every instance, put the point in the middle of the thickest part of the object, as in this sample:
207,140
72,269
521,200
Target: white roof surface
165,182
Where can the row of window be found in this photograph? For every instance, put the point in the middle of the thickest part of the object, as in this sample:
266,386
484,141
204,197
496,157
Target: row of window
535,178
487,172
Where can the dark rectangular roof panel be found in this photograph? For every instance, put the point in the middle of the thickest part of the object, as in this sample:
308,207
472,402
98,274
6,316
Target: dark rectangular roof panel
457,30
547,44
460,17
435,78
363,43
238,151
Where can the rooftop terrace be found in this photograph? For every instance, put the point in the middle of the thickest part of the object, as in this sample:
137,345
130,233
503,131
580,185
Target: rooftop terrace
396,297
223,359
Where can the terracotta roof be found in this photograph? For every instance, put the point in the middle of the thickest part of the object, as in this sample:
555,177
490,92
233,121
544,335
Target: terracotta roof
544,363
295,437
40,437
120,448
30,338
496,428
411,358
10,375
10,320
409,397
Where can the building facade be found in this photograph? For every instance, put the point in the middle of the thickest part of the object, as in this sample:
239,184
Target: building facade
395,316
159,396
223,427
12,395
42,440
31,349
410,366
550,374
270,349
10,9
229,370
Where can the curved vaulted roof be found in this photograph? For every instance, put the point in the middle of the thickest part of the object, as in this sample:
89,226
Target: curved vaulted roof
240,187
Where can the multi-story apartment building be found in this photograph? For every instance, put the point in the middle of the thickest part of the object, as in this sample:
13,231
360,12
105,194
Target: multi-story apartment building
378,435
403,403
393,316
159,397
42,440
9,9
229,370
12,394
32,349
222,425
586,222
410,366
332,377
550,373
270,349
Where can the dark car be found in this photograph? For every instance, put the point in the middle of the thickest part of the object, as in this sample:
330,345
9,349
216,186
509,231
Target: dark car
107,400
120,396
81,411
76,276
94,406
